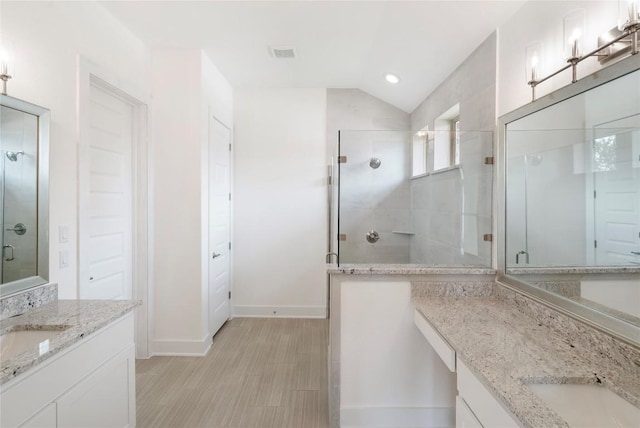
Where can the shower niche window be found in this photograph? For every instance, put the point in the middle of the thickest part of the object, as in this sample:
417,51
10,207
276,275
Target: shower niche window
390,211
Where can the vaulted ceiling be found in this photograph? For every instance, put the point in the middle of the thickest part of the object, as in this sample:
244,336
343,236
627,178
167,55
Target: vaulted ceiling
339,44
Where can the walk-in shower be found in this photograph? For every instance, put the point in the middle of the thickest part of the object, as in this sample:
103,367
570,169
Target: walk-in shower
385,215
18,194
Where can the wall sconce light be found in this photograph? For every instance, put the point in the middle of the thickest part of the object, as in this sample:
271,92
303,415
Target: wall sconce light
574,24
533,64
533,53
620,40
6,65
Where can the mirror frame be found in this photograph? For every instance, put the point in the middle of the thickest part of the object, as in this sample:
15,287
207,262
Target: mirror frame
44,120
615,327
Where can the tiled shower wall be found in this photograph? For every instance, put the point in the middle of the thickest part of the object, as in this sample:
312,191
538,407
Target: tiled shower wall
379,197
452,209
375,199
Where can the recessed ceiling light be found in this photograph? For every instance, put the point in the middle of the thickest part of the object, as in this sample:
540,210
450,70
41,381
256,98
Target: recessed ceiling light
391,78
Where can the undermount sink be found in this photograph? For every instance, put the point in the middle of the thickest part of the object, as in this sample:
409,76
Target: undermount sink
16,342
588,405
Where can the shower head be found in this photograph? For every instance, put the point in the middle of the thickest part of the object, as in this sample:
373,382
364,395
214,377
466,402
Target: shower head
375,163
13,156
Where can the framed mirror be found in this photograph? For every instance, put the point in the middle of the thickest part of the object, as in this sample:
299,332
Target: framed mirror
570,199
24,195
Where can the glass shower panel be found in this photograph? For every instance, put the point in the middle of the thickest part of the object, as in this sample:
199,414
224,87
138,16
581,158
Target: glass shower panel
438,218
375,212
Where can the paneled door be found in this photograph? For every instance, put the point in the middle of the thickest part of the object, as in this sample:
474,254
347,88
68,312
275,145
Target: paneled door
617,192
219,224
105,198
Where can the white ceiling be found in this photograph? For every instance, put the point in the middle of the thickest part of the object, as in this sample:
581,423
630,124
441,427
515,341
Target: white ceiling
340,44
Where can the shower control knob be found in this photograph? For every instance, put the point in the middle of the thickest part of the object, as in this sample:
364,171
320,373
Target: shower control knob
19,229
372,237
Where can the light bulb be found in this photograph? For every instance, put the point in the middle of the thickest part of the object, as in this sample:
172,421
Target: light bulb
633,10
574,42
4,61
534,67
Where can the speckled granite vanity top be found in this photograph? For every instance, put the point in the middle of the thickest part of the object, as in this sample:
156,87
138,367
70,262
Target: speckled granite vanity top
506,348
73,319
406,269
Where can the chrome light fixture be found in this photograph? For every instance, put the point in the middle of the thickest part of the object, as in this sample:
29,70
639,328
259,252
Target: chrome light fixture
620,41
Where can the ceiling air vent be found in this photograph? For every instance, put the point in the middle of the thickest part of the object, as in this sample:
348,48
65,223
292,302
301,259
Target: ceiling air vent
283,51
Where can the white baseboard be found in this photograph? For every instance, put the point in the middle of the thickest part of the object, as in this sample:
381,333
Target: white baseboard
181,348
422,417
240,311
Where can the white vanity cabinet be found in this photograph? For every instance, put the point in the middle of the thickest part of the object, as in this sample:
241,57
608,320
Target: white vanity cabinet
480,403
476,407
90,384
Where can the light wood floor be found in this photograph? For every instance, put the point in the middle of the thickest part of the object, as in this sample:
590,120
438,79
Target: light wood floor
258,373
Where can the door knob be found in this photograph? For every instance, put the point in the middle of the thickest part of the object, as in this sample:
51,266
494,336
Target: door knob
216,255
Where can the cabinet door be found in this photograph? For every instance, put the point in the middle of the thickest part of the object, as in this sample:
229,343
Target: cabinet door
46,418
105,399
464,416
481,402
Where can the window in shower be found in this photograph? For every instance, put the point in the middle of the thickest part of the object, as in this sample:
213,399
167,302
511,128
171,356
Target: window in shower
446,146
419,152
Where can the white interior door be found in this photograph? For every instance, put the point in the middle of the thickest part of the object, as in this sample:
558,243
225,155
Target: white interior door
105,232
617,196
219,224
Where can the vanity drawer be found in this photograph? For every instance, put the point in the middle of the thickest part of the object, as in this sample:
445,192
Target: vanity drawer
464,416
486,408
442,348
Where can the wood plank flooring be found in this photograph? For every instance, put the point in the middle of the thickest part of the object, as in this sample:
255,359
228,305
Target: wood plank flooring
258,373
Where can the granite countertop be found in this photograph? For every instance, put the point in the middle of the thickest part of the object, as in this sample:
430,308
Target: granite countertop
572,270
507,349
406,269
75,319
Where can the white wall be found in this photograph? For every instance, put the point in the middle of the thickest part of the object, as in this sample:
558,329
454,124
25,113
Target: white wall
180,112
47,38
542,21
280,214
387,367
177,145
